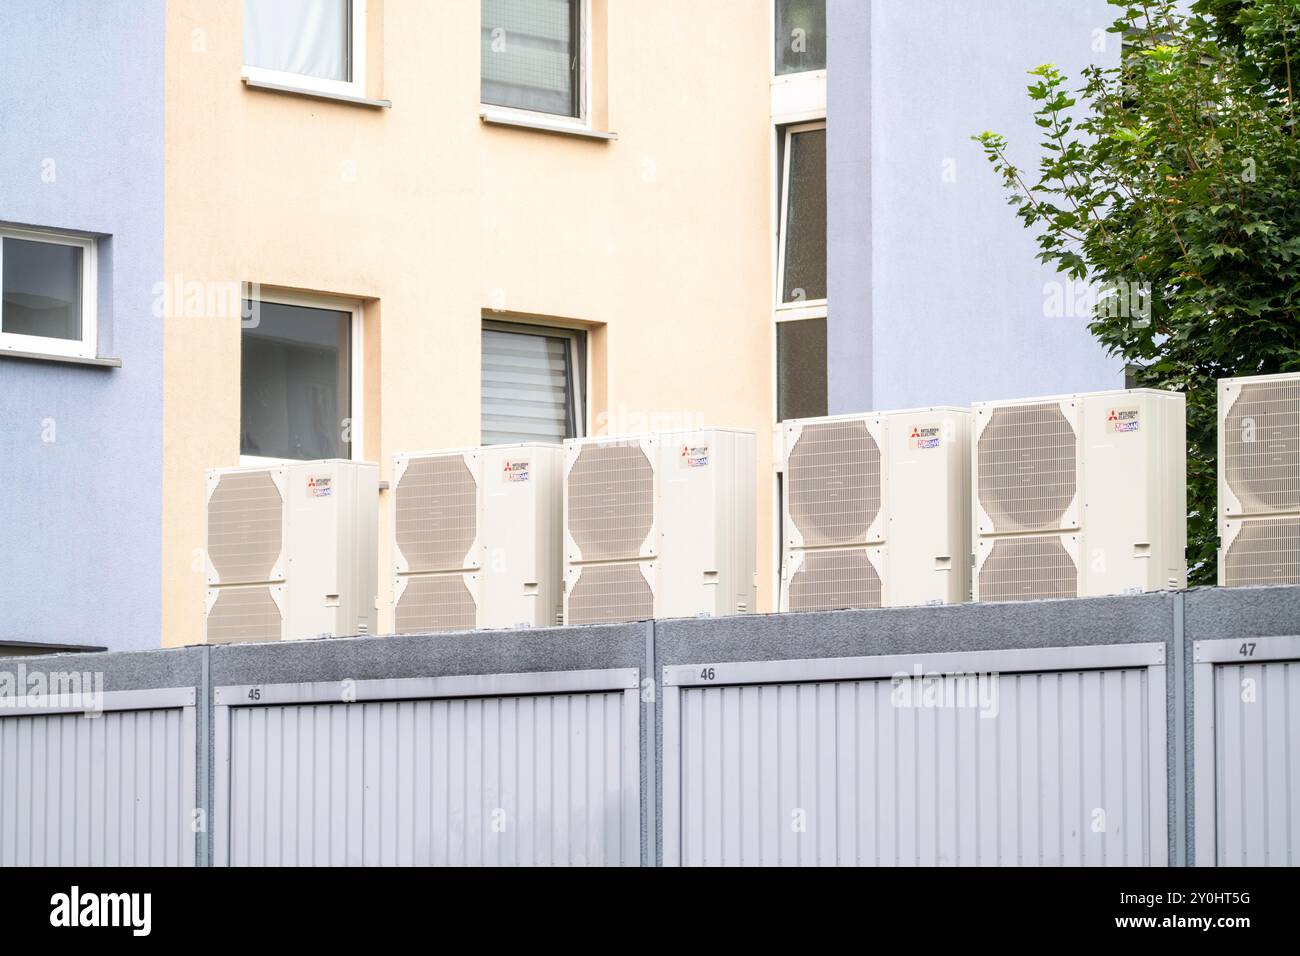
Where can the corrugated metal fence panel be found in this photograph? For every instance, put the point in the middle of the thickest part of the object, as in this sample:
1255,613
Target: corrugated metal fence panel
1251,756
113,790
541,779
835,773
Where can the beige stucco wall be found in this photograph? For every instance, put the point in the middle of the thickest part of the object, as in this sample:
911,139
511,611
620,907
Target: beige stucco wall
659,242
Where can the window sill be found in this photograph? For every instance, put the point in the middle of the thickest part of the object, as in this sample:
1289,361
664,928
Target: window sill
61,359
317,94
542,125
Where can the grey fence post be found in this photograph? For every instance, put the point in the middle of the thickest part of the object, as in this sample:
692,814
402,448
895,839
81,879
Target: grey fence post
1178,731
204,703
650,749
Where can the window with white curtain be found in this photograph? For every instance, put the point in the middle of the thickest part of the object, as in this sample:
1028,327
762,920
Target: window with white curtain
532,384
314,44
47,293
532,54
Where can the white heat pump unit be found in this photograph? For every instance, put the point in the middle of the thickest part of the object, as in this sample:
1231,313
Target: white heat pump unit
476,538
1259,480
875,510
1080,495
660,525
291,551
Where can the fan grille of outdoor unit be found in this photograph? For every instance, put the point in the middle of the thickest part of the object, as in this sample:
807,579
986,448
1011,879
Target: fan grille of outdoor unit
1264,552
437,513
1026,467
436,602
1028,569
831,580
610,593
611,501
834,481
244,614
245,527
1261,435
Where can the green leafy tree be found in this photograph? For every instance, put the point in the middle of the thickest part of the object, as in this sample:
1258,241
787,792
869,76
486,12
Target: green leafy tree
1170,183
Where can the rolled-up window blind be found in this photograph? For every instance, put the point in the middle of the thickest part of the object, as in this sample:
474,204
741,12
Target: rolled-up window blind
530,54
527,388
308,37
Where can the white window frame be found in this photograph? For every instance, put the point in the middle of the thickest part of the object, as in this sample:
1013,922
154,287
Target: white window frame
535,118
355,87
796,97
88,345
806,308
356,414
782,130
579,390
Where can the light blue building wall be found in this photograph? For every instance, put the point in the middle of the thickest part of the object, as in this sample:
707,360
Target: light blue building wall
81,150
935,295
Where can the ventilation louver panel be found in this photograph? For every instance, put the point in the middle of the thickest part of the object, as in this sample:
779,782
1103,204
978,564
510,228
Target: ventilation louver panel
833,580
1028,569
834,483
609,594
1261,435
244,615
1027,468
436,513
245,528
438,602
610,501
1264,552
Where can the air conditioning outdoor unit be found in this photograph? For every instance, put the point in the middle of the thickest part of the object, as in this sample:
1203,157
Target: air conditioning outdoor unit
1079,495
291,551
660,525
476,538
875,510
1259,480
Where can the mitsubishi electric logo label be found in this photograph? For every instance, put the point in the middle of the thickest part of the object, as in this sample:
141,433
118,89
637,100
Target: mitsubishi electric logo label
925,436
695,456
1122,420
130,910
